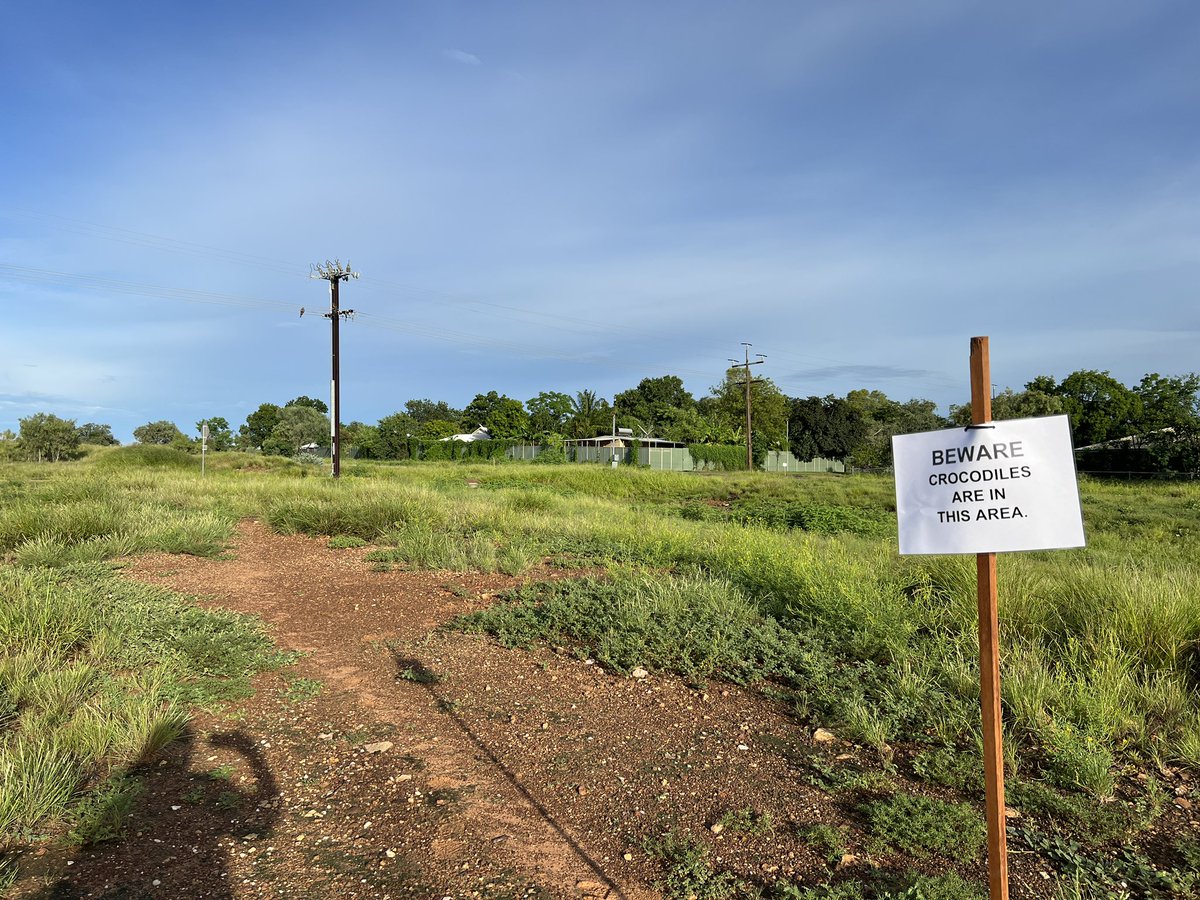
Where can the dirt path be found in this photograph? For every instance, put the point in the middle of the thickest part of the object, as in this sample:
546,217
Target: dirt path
398,760
447,815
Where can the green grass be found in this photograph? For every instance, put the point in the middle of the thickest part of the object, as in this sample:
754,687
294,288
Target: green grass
96,674
743,576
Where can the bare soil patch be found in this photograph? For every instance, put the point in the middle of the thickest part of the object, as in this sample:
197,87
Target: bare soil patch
399,760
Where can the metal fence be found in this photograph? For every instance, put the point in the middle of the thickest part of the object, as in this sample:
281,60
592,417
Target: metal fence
671,459
785,462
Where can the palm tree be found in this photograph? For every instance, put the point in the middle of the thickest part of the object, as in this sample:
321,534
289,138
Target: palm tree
587,409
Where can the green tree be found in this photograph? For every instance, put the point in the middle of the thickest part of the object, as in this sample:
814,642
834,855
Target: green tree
687,426
364,439
769,408
1169,430
319,405
219,435
96,434
161,432
258,427
395,432
548,412
423,411
1010,404
827,427
297,426
1169,402
884,418
1100,407
589,415
503,417
436,429
46,437
654,400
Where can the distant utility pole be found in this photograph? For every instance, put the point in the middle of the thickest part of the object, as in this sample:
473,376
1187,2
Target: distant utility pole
749,420
335,273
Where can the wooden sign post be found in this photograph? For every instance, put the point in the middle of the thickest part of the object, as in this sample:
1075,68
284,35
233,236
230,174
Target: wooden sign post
992,487
989,655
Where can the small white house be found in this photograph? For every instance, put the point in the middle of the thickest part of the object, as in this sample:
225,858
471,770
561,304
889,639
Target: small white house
479,434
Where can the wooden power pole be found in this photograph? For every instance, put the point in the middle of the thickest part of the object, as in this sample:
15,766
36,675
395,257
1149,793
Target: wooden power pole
335,273
749,418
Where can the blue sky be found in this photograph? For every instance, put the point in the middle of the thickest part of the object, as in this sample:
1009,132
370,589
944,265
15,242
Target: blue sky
558,196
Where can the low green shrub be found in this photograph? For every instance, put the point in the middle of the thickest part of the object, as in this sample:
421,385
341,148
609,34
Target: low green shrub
922,825
689,874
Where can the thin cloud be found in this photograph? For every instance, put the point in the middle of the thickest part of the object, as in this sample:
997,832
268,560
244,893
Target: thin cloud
462,56
867,374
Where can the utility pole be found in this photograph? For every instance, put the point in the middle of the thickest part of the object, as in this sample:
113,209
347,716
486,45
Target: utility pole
335,273
749,420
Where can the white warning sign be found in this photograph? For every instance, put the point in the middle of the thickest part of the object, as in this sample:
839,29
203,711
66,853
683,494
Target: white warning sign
993,488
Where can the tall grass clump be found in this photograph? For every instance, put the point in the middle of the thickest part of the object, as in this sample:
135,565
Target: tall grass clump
96,674
360,510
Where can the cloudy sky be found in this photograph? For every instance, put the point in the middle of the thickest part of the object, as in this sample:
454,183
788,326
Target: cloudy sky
560,195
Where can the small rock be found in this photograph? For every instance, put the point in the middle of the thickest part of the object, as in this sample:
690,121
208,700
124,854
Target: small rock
628,857
743,747
581,791
716,828
1010,813
639,672
379,747
390,854
848,859
176,808
326,736
1183,802
823,736
404,777
156,882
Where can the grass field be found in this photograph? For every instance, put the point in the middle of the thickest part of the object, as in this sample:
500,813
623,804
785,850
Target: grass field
791,582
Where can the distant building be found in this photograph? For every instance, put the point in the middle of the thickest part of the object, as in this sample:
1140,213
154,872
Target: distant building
479,434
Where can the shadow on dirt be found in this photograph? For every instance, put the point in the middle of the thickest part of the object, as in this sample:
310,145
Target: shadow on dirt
180,830
409,669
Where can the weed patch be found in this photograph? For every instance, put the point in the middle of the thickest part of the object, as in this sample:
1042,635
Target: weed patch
921,826
689,874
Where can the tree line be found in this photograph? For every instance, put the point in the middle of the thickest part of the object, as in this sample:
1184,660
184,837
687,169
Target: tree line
1157,420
